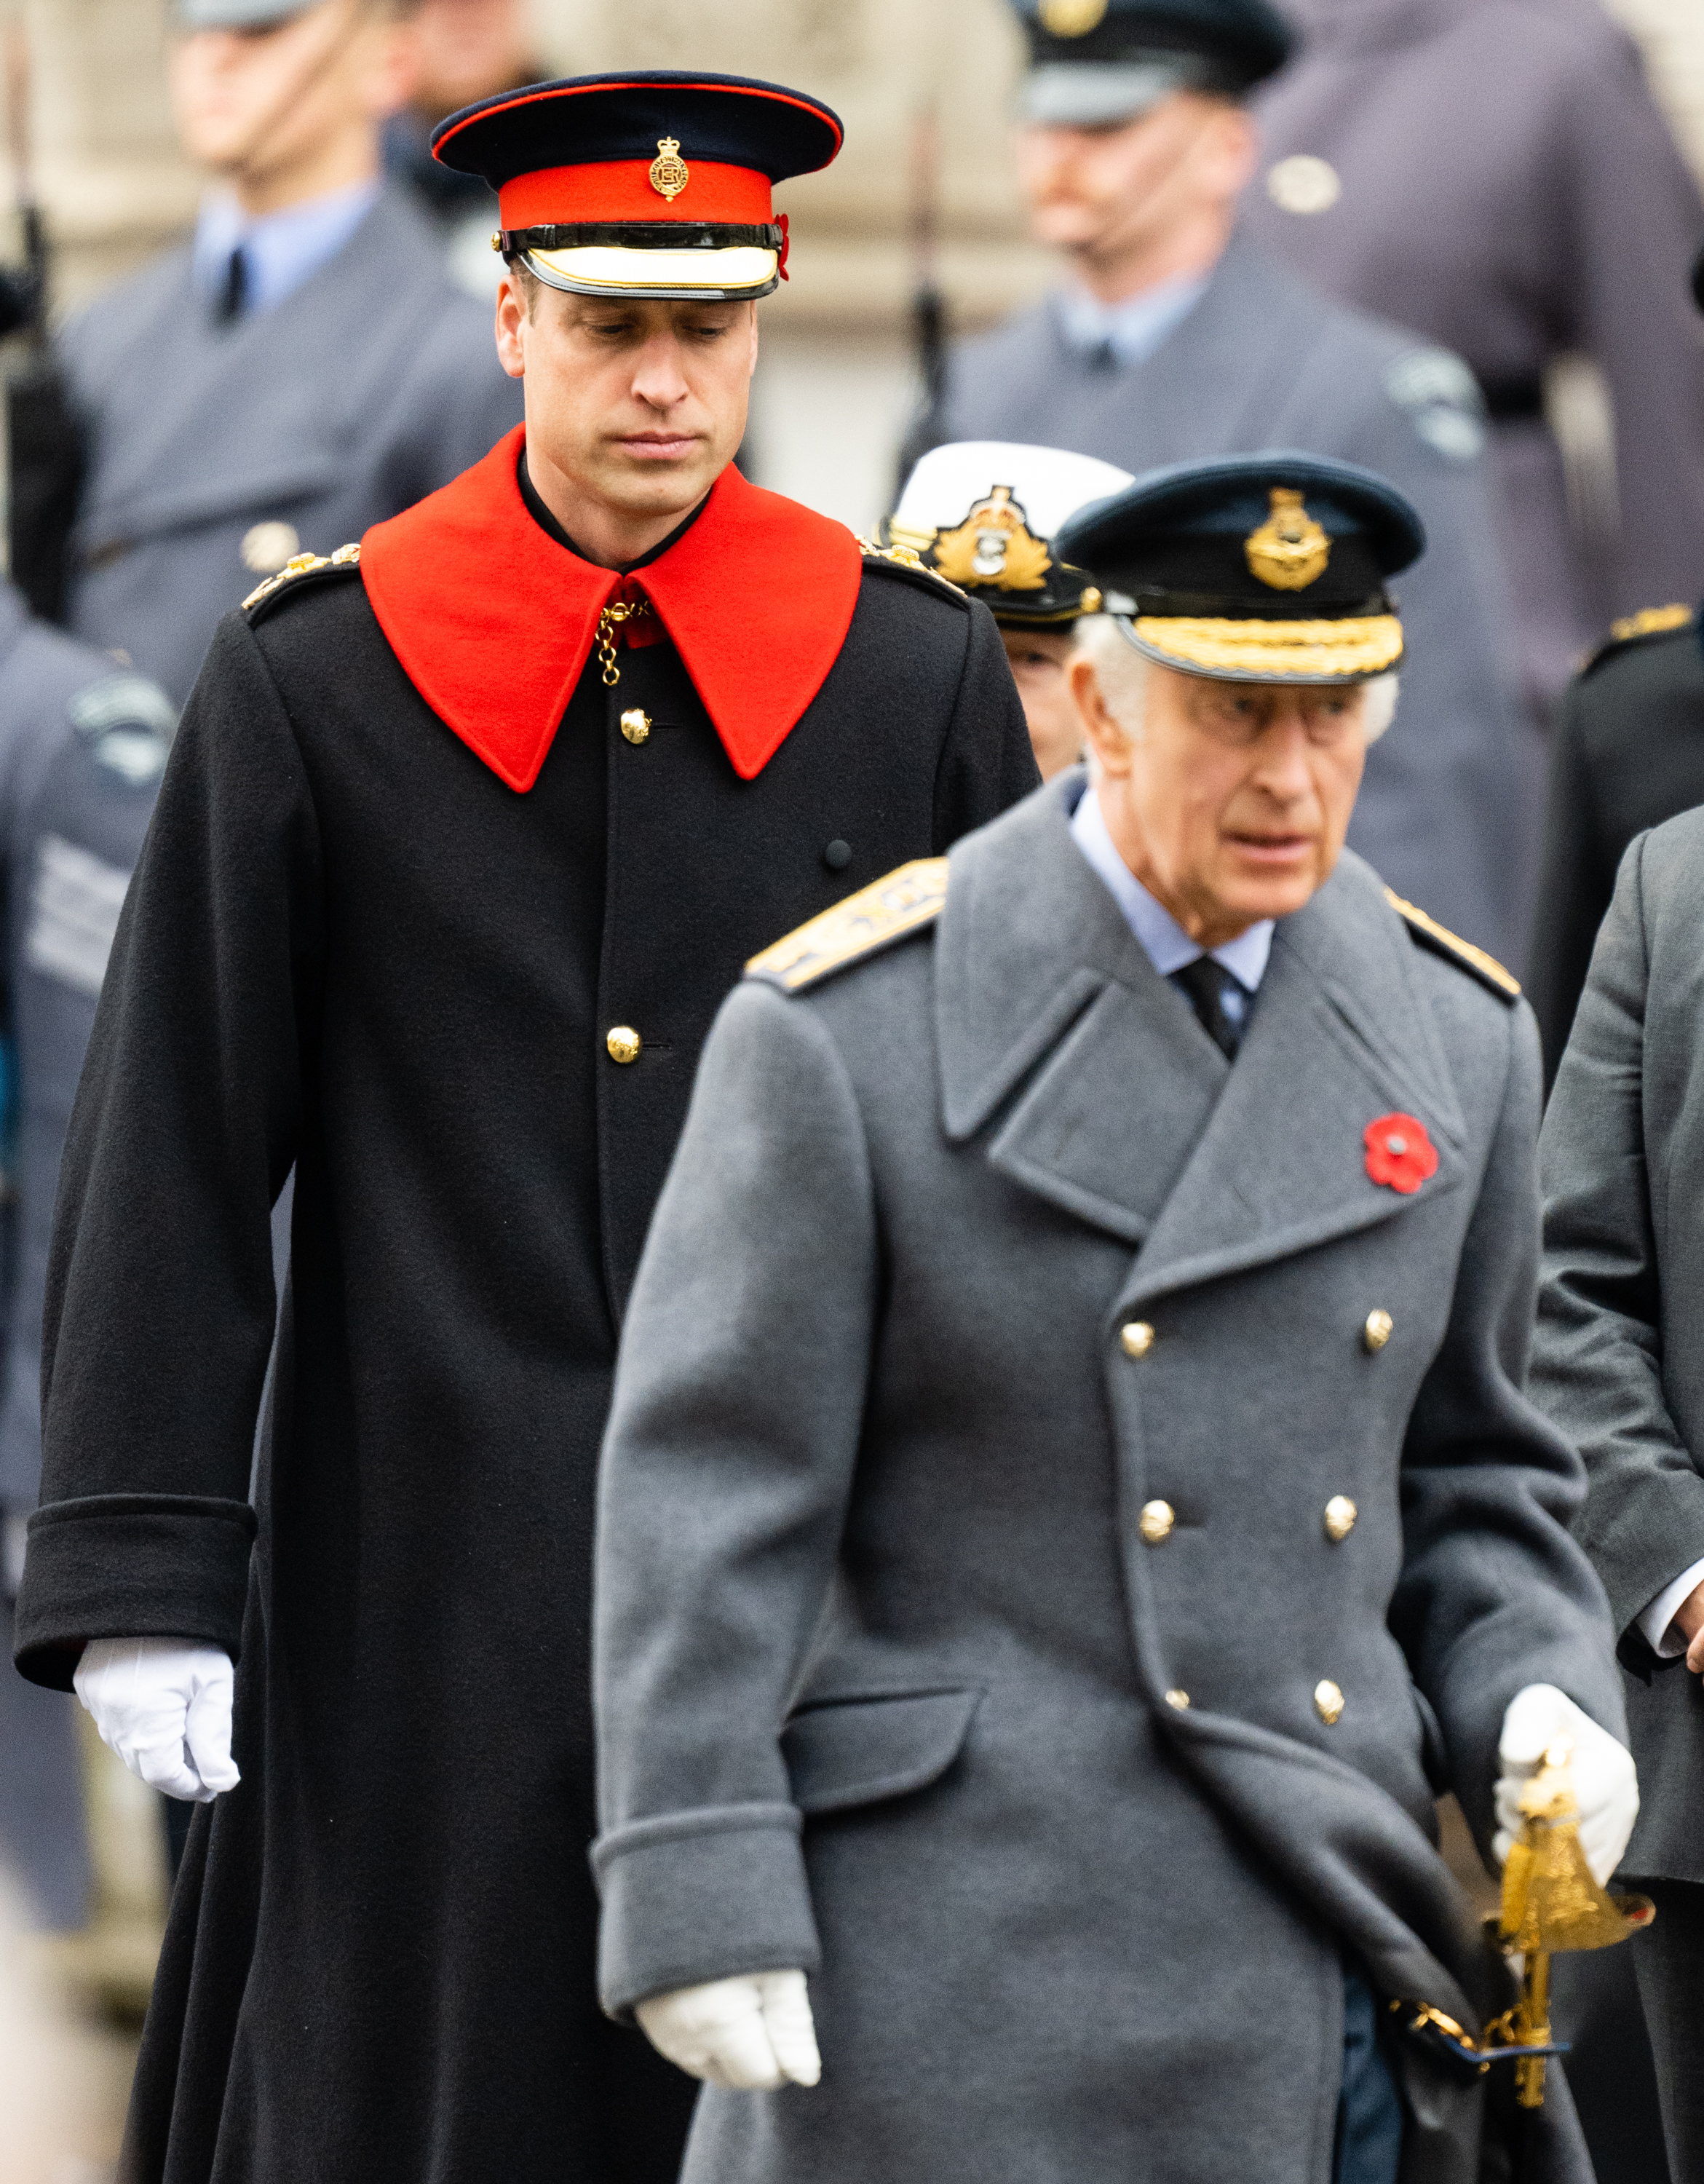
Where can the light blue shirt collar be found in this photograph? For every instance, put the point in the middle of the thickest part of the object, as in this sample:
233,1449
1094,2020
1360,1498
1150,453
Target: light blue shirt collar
281,249
1134,329
1169,947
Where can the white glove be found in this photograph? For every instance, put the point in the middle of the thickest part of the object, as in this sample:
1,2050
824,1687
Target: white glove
1605,1783
164,1707
747,2035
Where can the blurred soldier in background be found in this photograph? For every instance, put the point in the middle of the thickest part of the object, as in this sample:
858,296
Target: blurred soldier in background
1496,173
1629,754
1175,339
304,371
468,49
981,514
83,747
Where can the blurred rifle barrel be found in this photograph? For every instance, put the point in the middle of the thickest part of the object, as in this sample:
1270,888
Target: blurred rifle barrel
928,304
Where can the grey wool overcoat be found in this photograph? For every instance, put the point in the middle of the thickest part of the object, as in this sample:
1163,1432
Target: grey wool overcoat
891,1684
1618,1357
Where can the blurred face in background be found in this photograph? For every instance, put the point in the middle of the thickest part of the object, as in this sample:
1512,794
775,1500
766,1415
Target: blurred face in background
292,109
1142,200
468,50
1038,659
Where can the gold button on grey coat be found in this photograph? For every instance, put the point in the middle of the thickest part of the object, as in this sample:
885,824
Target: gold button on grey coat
1071,1831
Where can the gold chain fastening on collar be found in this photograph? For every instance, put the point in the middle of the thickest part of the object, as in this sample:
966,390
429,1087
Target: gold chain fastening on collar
613,614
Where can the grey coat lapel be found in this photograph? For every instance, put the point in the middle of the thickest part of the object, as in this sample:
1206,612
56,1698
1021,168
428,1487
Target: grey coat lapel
1340,1035
1035,963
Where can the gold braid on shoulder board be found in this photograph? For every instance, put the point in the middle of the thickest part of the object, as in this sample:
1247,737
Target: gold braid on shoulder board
1442,942
906,557
302,564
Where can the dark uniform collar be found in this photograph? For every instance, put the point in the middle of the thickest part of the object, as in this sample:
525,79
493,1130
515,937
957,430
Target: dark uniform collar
494,620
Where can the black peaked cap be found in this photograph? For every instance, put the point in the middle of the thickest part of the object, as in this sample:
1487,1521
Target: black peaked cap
735,120
1244,41
1184,530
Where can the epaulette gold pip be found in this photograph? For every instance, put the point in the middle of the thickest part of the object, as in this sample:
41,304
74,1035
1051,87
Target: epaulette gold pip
905,900
907,557
1441,941
302,564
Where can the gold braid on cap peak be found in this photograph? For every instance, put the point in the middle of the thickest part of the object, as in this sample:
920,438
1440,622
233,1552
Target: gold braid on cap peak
1361,644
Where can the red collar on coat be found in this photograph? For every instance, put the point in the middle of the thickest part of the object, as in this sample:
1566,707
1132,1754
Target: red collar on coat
493,621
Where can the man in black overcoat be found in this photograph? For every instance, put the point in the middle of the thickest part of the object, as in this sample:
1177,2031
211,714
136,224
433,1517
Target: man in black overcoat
467,833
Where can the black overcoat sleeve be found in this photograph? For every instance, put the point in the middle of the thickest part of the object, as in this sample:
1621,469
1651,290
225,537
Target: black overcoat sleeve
160,1298
987,762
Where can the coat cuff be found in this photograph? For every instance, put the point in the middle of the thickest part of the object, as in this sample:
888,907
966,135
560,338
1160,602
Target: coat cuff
130,1566
702,1895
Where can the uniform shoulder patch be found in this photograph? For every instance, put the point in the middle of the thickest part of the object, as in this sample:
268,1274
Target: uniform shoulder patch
1427,933
346,560
906,561
905,901
1634,628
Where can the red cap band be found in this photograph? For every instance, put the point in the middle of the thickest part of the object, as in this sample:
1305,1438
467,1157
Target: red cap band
622,189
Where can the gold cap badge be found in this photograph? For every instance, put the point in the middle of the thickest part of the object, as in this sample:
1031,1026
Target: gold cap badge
993,545
1289,549
669,173
1072,19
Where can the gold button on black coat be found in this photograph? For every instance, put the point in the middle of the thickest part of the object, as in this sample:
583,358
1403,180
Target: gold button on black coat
636,724
624,1043
1156,1521
1136,1337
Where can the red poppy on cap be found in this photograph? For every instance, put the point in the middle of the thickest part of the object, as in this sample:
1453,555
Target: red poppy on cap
1399,1153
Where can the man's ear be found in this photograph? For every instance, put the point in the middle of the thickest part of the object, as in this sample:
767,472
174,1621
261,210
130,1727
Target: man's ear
511,325
1110,742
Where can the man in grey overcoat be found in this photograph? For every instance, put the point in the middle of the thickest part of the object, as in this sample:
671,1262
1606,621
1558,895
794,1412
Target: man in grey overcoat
1618,1362
1173,334
302,371
1070,1504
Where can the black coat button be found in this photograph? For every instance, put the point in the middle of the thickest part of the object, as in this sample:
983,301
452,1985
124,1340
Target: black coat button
837,855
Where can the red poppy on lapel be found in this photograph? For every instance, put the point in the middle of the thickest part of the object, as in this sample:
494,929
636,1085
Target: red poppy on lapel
1399,1153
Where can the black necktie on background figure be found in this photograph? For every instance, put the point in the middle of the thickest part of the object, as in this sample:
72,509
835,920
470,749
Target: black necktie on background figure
235,292
1206,983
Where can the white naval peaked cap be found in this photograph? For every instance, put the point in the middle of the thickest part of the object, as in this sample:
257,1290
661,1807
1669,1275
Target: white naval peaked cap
1048,483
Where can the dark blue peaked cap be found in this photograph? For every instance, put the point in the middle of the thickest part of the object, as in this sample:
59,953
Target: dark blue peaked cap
1269,567
1237,43
731,120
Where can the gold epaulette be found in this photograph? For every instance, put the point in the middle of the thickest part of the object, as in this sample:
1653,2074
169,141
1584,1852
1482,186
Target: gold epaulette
907,557
1441,941
302,564
905,901
1649,622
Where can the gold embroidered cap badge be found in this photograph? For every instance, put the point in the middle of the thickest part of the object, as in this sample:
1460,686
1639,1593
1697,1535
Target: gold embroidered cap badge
669,173
1289,549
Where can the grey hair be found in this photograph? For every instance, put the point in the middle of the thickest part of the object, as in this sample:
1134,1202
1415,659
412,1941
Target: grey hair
1104,640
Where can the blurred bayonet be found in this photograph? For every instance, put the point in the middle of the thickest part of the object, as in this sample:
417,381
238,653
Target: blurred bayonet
928,304
44,442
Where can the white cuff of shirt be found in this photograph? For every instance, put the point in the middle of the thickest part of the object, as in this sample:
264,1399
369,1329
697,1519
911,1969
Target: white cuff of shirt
1657,1622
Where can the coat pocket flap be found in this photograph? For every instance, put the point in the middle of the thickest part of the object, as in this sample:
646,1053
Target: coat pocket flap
857,1751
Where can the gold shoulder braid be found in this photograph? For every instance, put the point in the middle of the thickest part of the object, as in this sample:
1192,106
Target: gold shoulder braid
299,565
1442,942
905,901
1650,621
906,557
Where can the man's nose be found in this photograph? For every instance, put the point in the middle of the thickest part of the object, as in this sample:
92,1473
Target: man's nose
659,379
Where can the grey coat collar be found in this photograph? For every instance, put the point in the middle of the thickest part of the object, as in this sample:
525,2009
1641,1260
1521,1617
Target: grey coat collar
1118,1108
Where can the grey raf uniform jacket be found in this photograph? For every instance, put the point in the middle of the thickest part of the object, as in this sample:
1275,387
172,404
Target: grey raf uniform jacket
83,747
1508,187
1450,807
368,387
1619,1360
971,1258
